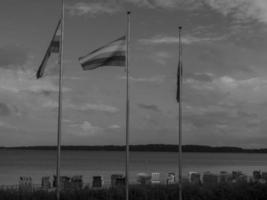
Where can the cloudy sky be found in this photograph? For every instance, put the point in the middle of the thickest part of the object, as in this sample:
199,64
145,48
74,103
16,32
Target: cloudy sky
225,73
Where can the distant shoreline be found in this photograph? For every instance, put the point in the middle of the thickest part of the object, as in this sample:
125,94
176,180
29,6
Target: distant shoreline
146,148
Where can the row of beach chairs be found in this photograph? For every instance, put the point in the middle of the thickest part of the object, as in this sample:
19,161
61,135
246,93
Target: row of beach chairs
226,177
142,178
76,182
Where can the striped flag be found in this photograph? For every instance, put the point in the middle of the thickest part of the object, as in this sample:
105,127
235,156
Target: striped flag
112,54
54,47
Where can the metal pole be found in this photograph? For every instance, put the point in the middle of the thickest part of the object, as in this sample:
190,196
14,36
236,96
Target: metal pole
60,103
180,116
127,110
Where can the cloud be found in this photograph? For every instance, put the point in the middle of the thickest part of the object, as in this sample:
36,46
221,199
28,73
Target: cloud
87,126
18,75
164,3
82,107
202,77
4,109
99,107
187,39
12,57
251,90
154,3
242,10
49,103
161,57
159,39
140,3
150,107
155,79
25,81
6,125
167,4
208,118
86,129
82,8
114,126
114,6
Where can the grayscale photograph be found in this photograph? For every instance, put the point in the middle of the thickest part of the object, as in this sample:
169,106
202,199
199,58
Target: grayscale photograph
133,100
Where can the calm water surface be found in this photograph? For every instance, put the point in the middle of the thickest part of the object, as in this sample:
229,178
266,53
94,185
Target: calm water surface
15,163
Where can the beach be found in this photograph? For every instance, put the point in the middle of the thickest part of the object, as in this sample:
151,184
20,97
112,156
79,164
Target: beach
39,163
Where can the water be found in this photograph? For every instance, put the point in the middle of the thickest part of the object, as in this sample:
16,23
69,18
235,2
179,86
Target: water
15,163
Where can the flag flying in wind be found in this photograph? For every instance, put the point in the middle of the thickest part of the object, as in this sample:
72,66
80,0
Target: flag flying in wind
112,54
54,47
179,76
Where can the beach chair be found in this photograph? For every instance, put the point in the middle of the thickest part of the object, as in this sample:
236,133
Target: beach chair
239,177
117,180
120,181
143,178
210,178
97,182
77,182
224,177
64,182
194,178
45,183
256,175
170,178
264,176
155,178
25,183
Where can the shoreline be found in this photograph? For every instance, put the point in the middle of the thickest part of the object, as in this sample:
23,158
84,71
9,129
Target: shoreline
145,148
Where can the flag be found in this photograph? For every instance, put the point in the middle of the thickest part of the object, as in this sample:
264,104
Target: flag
179,76
54,47
111,54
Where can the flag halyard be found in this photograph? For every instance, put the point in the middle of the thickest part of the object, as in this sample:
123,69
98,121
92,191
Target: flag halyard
53,47
111,54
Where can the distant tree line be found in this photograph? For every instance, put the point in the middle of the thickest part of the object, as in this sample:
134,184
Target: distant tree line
147,147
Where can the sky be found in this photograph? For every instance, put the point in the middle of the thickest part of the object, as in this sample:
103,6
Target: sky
224,78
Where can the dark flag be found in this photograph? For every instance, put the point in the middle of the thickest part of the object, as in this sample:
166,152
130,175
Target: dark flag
53,47
179,76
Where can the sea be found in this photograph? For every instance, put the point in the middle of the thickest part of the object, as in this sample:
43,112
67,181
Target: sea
39,163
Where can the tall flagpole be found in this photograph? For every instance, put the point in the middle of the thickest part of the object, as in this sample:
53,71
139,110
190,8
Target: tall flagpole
60,103
127,110
180,114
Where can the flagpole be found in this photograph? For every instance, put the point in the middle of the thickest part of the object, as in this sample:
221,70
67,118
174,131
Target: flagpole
180,115
127,110
60,104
